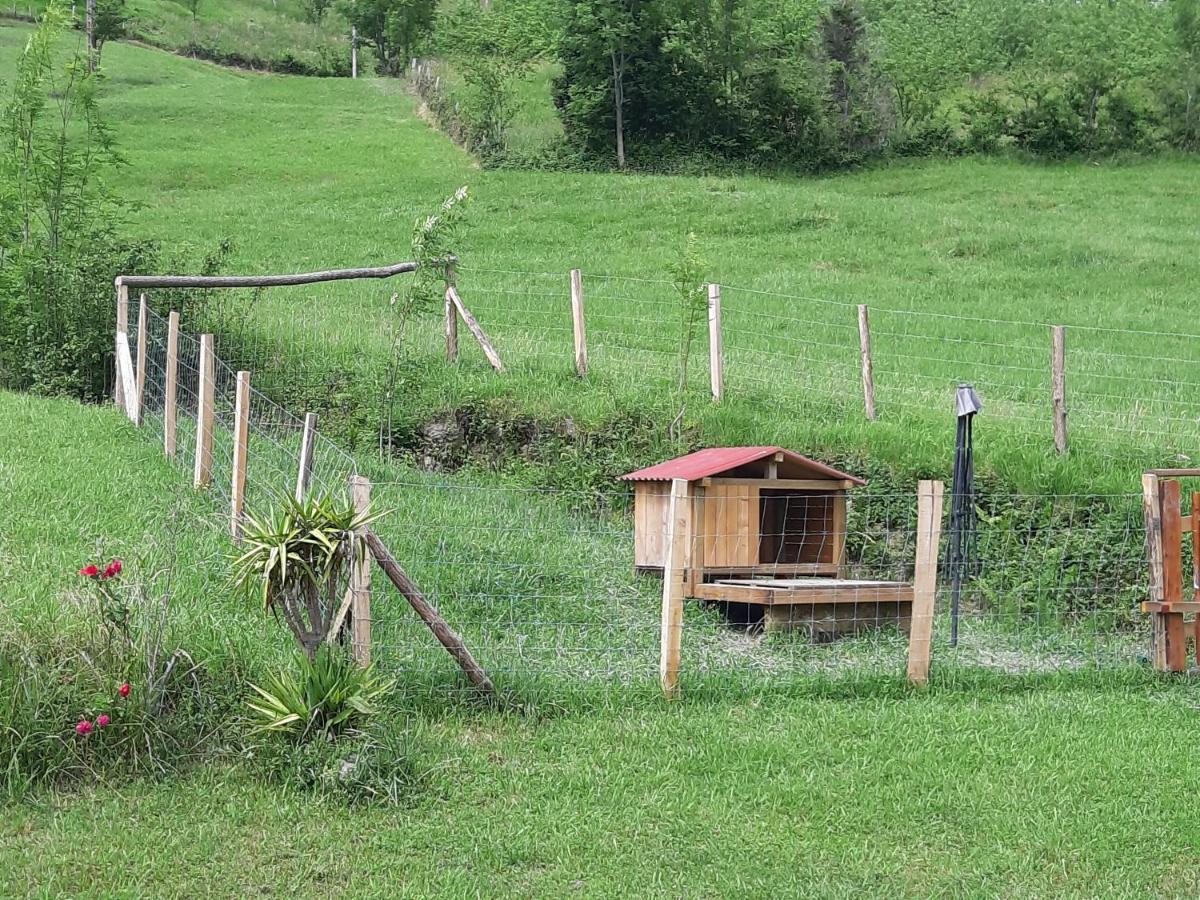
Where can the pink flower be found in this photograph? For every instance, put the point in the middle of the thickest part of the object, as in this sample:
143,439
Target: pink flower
90,571
112,570
123,690
102,720
83,728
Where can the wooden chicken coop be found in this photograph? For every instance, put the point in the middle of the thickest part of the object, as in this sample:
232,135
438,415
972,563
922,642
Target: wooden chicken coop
767,535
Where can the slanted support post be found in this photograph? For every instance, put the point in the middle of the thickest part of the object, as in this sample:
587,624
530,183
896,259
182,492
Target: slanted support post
304,469
122,329
171,386
581,360
868,370
1059,387
451,316
675,573
929,532
206,389
143,323
241,433
360,579
716,350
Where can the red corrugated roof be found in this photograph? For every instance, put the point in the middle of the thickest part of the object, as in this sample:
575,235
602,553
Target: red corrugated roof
714,460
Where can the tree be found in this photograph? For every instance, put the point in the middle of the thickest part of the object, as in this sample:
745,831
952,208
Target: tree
110,22
393,29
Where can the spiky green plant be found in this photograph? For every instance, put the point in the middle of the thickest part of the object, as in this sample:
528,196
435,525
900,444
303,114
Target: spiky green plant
296,561
323,697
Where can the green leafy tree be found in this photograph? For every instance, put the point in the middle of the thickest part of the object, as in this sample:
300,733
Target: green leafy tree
110,24
394,29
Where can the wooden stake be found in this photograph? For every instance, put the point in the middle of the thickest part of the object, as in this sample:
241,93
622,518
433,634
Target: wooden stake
441,630
126,378
675,567
929,532
206,388
171,389
488,350
360,580
868,371
241,432
1168,643
716,351
353,51
451,318
304,470
141,357
1152,514
581,360
122,328
1059,374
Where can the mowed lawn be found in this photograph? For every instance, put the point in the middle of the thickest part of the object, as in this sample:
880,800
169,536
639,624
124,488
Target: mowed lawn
978,786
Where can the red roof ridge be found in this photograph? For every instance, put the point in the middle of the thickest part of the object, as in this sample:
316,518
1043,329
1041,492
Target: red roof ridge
711,460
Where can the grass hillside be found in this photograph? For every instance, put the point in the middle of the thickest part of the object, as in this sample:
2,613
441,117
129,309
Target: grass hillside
964,263
979,786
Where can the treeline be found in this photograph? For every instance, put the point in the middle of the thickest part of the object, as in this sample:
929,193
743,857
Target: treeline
825,83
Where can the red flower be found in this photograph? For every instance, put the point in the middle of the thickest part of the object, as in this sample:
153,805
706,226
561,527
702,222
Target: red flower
113,569
90,571
83,728
102,720
123,690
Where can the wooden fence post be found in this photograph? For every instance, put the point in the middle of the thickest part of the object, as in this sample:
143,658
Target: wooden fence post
929,532
304,469
360,580
716,350
143,323
581,360
126,377
241,433
171,387
451,316
476,330
1168,638
353,51
205,389
675,566
1059,376
122,328
868,370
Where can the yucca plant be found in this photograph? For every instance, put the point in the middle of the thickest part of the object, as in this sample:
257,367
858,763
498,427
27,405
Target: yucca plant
324,696
297,560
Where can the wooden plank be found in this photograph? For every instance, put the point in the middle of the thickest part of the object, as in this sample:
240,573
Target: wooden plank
122,328
441,630
472,326
1059,388
360,579
241,432
791,484
929,529
1192,524
143,315
1152,514
304,467
581,359
125,377
171,387
884,592
242,281
696,555
868,370
779,570
716,350
1182,606
1175,473
1172,540
837,528
206,387
674,575
451,319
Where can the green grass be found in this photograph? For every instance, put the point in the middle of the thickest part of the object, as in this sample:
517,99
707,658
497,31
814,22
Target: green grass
306,174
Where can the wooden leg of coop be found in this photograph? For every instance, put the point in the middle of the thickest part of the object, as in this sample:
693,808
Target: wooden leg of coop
1168,642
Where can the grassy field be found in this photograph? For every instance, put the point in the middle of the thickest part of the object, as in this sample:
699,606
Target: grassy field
981,785
964,264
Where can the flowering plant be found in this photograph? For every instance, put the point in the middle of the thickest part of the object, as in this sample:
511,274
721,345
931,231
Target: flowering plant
114,610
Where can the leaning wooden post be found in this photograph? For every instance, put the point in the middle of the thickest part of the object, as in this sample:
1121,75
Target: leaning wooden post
122,328
929,532
241,433
171,387
206,389
581,360
716,354
305,467
868,371
675,566
451,316
1059,389
143,317
360,579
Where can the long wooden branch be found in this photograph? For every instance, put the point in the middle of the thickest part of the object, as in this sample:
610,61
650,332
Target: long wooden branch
242,281
440,628
488,350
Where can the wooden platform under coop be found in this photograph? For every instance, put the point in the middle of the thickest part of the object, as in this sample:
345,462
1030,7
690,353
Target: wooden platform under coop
826,607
